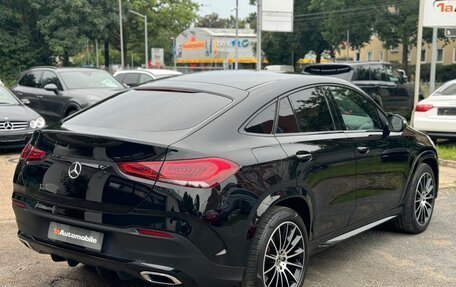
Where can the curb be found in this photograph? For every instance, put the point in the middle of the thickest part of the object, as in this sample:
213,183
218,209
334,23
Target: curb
447,163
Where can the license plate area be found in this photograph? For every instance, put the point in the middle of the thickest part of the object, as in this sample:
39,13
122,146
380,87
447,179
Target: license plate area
446,111
74,235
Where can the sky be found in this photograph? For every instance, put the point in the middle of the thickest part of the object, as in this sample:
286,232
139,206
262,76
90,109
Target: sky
223,7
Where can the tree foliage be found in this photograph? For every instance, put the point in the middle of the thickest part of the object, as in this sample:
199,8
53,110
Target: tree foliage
42,32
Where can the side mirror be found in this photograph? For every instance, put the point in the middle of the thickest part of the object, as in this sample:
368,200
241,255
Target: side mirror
25,101
396,123
51,88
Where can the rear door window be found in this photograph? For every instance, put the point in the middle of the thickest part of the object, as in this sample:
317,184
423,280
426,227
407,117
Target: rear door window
31,79
312,110
152,111
263,123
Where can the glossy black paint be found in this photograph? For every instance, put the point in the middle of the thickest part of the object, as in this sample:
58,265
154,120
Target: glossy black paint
339,188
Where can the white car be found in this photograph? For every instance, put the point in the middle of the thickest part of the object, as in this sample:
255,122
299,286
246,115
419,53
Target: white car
436,115
134,78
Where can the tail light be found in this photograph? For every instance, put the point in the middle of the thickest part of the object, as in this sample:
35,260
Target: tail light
203,173
32,153
423,108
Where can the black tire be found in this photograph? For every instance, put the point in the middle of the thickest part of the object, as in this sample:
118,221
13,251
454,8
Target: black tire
274,222
69,113
412,220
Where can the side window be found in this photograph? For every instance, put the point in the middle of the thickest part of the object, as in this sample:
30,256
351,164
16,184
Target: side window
312,111
50,78
131,79
263,122
120,77
357,112
287,119
31,79
362,74
144,78
379,73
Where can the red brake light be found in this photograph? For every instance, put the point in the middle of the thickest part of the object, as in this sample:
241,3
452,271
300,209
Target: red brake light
32,153
154,233
205,172
423,108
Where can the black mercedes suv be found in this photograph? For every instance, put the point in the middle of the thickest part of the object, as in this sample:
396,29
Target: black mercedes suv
221,179
380,80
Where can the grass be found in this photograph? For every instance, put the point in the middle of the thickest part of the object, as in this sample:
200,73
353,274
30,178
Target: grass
447,151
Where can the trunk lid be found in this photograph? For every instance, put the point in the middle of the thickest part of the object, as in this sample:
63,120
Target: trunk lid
80,171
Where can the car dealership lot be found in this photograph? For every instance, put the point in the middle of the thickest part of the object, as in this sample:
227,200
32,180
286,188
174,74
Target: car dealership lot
375,258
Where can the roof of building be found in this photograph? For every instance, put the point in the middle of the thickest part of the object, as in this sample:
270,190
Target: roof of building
225,32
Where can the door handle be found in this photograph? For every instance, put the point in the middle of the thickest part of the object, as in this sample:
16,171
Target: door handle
304,156
39,97
19,94
363,149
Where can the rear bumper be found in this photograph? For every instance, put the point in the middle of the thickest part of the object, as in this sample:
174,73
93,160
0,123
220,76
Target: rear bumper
127,253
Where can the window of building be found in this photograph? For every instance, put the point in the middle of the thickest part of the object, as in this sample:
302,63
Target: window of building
454,55
370,56
357,56
423,56
382,56
439,55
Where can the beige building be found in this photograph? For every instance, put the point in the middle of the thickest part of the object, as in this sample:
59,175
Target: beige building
374,51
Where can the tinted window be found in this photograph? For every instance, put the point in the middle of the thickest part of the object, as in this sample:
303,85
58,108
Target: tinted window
263,122
287,119
362,74
379,73
50,78
120,77
144,78
89,79
151,111
357,112
312,110
31,79
131,79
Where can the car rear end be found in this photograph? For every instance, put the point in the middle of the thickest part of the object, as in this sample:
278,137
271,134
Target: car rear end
436,115
99,190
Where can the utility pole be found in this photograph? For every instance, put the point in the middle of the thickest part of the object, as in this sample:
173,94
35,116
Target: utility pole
146,51
259,28
348,44
419,46
122,60
96,51
433,61
236,48
174,52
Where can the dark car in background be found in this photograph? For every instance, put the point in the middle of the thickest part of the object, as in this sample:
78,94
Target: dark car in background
17,121
58,92
386,85
221,179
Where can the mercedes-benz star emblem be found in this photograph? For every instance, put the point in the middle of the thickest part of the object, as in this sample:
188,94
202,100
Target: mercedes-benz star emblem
75,170
8,126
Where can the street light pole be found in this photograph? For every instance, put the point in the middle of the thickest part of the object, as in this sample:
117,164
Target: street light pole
122,61
259,28
236,48
146,51
174,52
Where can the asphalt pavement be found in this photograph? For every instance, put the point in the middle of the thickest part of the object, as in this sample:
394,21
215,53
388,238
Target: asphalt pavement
378,257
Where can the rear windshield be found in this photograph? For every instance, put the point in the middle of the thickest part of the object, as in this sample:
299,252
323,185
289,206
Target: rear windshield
151,111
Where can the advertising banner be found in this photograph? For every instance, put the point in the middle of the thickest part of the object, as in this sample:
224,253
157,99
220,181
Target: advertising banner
440,13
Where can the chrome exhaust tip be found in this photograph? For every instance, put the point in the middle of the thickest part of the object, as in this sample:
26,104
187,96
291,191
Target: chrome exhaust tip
160,278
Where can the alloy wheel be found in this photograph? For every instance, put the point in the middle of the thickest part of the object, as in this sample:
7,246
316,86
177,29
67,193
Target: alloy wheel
284,257
424,199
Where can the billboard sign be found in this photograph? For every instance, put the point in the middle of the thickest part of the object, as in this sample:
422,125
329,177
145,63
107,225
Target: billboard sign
440,13
450,33
277,16
157,57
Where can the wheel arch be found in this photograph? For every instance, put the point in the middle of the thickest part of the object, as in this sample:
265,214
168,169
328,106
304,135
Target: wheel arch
428,157
71,107
301,206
